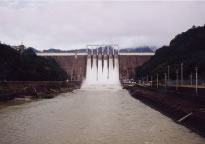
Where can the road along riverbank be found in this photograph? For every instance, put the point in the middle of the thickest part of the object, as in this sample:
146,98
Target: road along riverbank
187,110
26,90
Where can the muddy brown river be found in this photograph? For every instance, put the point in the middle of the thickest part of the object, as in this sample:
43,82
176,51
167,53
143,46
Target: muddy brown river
104,116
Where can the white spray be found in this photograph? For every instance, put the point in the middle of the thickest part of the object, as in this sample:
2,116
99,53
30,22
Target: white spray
105,73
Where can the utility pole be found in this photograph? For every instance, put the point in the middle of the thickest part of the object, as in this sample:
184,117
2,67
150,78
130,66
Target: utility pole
177,79
157,80
168,74
147,79
165,80
196,68
182,74
191,79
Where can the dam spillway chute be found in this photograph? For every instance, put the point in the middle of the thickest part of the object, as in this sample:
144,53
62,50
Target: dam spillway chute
102,68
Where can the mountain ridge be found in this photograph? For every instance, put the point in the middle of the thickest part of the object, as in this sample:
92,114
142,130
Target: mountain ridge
187,48
137,49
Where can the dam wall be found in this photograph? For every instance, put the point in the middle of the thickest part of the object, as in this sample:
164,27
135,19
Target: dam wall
129,63
75,64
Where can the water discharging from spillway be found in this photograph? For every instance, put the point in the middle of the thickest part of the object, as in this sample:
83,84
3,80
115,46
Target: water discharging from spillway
102,71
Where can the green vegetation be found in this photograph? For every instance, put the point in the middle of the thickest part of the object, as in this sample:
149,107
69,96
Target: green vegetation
27,66
187,48
49,96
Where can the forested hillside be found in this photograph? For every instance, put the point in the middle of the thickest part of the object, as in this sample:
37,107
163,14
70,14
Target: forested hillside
187,48
27,66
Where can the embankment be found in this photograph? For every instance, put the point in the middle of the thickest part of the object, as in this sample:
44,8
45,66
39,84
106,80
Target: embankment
174,105
34,89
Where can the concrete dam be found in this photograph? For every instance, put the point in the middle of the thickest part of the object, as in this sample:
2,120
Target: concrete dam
102,64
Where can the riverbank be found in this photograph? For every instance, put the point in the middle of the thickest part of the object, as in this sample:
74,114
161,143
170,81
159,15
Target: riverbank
27,90
174,105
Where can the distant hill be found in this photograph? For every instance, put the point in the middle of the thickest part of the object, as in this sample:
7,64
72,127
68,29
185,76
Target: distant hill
33,49
187,48
52,50
138,49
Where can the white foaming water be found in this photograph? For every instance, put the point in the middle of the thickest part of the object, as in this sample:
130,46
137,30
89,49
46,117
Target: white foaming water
101,74
94,70
116,70
88,75
105,70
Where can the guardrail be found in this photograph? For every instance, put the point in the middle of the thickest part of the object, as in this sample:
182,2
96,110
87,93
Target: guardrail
73,54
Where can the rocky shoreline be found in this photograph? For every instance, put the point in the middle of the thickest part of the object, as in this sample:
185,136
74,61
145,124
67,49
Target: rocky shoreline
188,110
34,90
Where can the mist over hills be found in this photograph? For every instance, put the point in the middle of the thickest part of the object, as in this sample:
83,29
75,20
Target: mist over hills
100,49
138,49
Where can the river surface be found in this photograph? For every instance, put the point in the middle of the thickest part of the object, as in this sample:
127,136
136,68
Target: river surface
90,117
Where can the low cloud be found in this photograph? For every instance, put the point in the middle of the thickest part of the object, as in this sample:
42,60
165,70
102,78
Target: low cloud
74,24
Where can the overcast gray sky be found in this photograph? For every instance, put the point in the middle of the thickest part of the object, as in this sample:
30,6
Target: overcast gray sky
67,24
